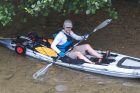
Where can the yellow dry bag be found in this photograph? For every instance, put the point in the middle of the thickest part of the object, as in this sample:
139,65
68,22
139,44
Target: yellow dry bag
46,51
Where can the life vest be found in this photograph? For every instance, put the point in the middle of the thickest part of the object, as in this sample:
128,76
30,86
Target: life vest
69,43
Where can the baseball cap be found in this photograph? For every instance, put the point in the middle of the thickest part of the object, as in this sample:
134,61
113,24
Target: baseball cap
67,23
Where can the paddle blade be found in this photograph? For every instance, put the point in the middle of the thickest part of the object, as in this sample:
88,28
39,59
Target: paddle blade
41,72
103,24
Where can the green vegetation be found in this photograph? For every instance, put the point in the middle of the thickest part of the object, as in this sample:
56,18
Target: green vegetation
9,8
6,12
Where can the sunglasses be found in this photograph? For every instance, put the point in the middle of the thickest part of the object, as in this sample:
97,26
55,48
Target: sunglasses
69,27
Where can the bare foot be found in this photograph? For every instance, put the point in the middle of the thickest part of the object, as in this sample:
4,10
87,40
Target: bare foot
91,62
100,60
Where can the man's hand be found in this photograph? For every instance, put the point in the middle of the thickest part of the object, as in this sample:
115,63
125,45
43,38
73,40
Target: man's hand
86,36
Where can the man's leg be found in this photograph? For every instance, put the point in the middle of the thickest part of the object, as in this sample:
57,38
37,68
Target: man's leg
89,49
79,55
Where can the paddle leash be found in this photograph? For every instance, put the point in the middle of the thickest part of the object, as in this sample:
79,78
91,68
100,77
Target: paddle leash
41,72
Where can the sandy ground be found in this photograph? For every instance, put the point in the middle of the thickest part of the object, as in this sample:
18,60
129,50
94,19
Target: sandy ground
122,36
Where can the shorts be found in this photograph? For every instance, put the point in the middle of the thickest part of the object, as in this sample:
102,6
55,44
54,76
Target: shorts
72,54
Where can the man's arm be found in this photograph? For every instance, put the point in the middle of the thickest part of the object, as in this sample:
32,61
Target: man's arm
56,42
75,36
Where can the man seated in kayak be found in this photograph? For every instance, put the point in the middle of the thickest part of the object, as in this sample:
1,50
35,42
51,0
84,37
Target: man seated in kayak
64,39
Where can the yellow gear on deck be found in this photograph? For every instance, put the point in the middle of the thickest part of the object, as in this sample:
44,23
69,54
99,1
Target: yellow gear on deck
46,51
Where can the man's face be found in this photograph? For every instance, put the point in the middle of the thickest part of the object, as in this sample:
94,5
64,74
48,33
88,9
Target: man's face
68,29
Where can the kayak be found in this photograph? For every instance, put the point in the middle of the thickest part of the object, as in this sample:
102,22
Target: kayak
117,65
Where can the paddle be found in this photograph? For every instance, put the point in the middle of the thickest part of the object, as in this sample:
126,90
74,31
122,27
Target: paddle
44,70
100,26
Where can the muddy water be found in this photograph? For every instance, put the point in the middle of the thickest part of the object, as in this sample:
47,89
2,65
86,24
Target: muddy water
16,77
122,36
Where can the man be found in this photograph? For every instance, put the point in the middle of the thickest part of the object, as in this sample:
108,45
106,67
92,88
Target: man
64,39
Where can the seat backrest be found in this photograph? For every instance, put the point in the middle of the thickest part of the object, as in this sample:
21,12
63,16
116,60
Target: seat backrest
50,41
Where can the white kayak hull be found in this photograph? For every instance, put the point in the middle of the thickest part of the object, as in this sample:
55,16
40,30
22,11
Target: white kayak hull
122,66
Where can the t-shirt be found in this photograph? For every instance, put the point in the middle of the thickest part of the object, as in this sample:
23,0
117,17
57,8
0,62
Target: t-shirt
61,38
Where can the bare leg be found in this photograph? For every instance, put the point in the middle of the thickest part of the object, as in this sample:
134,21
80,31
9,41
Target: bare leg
91,51
81,56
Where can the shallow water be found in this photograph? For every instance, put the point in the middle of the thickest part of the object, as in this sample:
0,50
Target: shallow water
122,36
16,77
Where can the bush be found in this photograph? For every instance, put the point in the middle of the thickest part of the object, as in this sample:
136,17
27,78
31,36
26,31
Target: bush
44,7
6,12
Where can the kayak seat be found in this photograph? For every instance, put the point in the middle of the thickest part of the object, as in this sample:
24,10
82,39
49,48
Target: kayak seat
50,41
47,42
